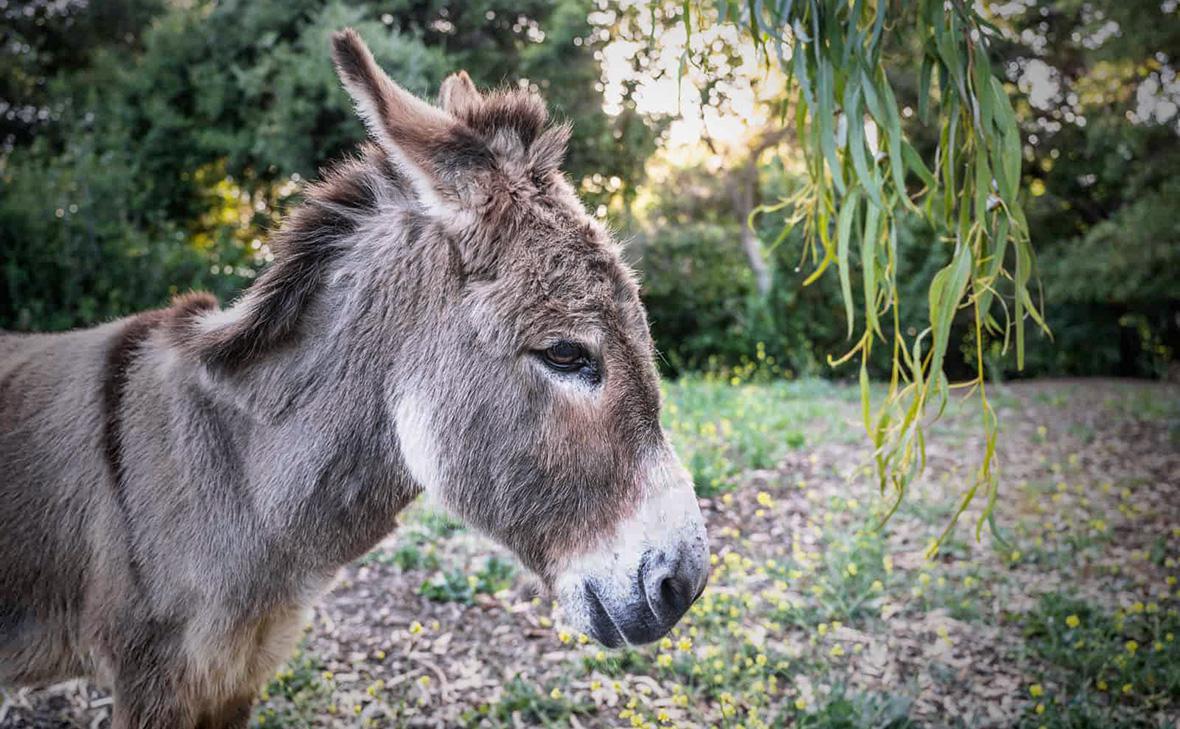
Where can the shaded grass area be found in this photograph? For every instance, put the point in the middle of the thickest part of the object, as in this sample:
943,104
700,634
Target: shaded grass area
723,426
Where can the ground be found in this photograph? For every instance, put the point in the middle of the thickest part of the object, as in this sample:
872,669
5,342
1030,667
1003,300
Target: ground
814,617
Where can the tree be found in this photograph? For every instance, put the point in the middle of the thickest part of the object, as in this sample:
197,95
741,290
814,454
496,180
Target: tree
181,141
1097,100
864,174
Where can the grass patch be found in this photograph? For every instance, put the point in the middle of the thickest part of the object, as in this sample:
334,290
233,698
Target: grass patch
720,430
1104,662
522,703
297,695
843,710
458,585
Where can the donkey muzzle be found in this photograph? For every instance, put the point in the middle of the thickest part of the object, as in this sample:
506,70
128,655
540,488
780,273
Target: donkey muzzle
663,590
634,587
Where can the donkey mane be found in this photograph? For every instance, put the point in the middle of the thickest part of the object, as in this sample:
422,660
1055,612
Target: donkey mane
351,191
308,241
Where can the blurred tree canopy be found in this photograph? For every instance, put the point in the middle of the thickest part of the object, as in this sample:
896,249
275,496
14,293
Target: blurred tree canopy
147,146
1095,94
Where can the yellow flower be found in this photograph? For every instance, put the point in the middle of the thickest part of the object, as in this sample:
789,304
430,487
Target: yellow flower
424,681
765,500
822,628
1040,708
663,716
837,650
664,660
1102,685
595,685
851,569
1073,621
415,628
800,703
685,644
1127,688
1132,646
555,694
1036,690
877,586
564,637
666,643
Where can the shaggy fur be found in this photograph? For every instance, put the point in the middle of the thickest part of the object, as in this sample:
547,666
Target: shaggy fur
179,485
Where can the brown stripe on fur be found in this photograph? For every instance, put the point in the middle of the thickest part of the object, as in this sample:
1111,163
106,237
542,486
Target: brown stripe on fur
114,384
119,359
186,306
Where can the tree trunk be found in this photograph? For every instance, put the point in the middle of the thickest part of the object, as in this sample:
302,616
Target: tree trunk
744,191
745,196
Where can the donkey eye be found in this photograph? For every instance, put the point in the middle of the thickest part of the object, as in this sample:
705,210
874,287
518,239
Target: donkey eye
564,356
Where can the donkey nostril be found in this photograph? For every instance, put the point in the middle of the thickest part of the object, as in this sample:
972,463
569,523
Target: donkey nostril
675,595
669,589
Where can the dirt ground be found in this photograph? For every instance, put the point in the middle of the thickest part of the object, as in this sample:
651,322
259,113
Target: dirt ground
813,617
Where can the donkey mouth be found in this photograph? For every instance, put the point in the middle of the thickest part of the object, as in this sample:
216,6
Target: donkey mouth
638,626
602,626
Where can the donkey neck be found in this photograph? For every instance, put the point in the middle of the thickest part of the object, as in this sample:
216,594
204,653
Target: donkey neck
309,362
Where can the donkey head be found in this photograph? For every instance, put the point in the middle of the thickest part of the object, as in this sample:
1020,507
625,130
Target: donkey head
529,403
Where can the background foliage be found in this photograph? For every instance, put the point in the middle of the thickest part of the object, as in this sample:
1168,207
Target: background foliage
148,146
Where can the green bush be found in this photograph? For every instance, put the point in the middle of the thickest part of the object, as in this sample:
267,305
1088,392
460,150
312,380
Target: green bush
706,314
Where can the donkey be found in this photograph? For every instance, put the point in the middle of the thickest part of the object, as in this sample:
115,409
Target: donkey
442,316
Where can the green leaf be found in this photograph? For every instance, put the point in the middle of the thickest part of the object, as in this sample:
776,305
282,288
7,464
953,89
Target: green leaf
856,142
827,116
983,185
868,263
924,78
843,231
946,291
914,161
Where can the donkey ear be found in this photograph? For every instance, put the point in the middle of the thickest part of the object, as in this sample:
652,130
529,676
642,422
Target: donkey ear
458,95
412,131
